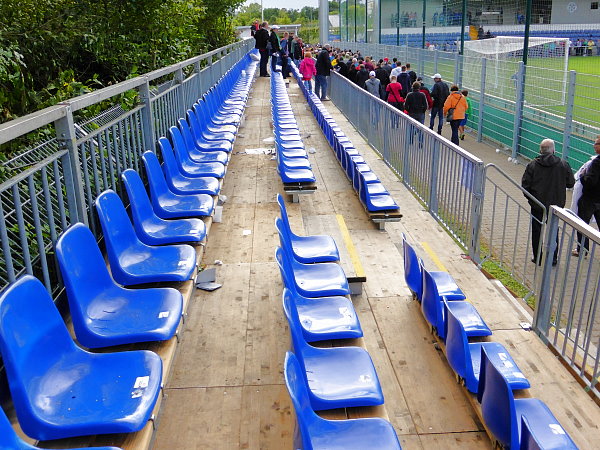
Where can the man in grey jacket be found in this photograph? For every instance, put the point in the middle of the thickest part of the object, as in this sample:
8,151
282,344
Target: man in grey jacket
373,85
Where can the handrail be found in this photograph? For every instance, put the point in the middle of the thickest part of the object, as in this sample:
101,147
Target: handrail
517,185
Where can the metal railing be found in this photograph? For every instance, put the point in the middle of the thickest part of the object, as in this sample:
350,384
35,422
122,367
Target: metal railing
567,315
53,192
489,215
522,105
444,177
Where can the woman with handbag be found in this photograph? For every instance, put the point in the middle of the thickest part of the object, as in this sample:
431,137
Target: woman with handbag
455,108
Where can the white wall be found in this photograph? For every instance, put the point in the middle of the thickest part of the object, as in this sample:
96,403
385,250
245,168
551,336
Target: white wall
582,14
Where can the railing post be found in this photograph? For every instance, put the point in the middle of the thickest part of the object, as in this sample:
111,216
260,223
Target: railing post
518,110
67,140
478,193
456,79
180,93
569,114
406,155
435,162
147,116
481,100
197,70
541,317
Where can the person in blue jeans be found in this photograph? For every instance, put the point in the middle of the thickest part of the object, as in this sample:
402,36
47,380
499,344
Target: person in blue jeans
439,94
324,69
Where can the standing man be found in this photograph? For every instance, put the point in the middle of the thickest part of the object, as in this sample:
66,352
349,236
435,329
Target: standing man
262,40
439,94
546,178
324,69
284,54
254,28
274,41
373,85
589,202
416,103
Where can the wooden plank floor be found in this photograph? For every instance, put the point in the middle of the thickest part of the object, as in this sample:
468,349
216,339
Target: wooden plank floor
226,389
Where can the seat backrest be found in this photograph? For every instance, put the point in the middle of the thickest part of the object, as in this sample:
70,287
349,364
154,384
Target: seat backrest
285,271
528,440
294,380
284,238
33,340
299,344
156,177
186,132
497,403
141,208
171,165
83,270
457,344
283,211
431,302
179,146
119,234
8,437
194,124
412,269
362,189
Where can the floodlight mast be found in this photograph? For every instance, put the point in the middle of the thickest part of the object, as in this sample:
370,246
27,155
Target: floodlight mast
527,26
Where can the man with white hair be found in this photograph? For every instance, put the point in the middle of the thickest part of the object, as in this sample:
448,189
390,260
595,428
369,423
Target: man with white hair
546,178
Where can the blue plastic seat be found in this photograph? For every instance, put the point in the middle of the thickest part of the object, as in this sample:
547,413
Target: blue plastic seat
432,307
201,109
307,249
190,167
198,144
180,183
9,440
133,262
151,229
444,282
317,433
503,413
465,357
374,202
167,204
195,154
202,135
312,280
103,312
58,389
336,377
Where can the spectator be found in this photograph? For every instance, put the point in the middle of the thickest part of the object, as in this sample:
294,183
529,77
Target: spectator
368,64
546,178
589,203
341,67
373,85
274,41
395,63
404,80
352,70
394,91
415,103
254,28
411,73
262,44
383,77
396,71
298,50
461,127
387,66
324,68
284,54
308,70
362,75
439,94
425,92
458,103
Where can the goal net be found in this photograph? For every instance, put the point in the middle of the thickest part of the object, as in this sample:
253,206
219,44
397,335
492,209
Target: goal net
547,68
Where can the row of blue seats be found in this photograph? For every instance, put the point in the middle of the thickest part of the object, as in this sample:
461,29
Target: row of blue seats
486,368
372,193
293,165
317,308
61,390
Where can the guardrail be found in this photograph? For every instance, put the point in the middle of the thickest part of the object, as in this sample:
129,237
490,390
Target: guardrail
45,198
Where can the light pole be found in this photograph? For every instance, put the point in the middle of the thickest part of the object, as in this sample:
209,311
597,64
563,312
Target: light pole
262,13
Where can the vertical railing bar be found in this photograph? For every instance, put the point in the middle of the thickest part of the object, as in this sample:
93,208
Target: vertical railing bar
48,203
35,212
92,146
59,193
6,250
22,228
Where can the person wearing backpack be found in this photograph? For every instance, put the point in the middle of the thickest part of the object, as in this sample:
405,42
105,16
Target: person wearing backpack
455,108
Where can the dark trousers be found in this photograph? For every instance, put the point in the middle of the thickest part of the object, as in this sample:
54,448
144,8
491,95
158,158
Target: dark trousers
585,210
435,111
537,215
264,60
454,124
284,67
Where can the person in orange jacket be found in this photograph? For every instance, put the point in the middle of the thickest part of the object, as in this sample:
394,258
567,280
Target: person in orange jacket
459,103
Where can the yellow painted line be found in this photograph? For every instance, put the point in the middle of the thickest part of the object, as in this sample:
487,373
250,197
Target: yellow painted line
358,268
433,256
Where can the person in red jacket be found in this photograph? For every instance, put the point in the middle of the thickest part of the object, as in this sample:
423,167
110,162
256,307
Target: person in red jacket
394,90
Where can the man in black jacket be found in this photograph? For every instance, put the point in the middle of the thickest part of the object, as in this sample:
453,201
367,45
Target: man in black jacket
324,69
439,94
262,38
275,49
546,178
589,202
416,103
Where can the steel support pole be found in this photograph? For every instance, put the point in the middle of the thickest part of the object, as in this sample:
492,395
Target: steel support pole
477,211
323,21
527,27
180,94
398,22
433,188
569,114
463,22
424,23
481,100
147,116
65,135
518,109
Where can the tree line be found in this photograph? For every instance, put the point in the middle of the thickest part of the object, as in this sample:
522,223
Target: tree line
51,50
